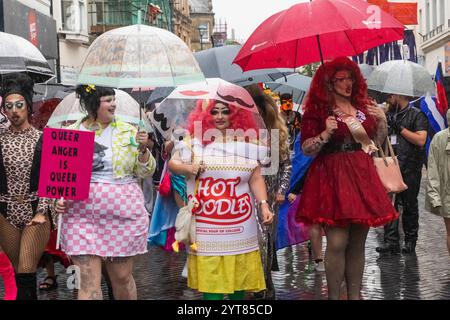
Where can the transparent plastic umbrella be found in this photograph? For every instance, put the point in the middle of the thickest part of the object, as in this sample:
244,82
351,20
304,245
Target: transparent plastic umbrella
401,77
127,110
19,55
139,56
174,116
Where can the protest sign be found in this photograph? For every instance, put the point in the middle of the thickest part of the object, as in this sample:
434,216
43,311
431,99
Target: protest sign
66,164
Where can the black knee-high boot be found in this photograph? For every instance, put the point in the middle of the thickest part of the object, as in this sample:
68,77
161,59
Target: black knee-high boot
26,286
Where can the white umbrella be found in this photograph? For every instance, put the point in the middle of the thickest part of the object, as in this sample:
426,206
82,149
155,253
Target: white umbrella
366,70
19,55
127,110
401,77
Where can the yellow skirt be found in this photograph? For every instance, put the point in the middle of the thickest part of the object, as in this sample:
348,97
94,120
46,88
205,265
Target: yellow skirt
226,274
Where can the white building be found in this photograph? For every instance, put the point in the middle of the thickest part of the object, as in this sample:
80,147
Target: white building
72,28
433,34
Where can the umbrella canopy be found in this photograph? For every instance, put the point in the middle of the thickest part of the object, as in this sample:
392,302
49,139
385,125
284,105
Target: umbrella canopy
401,77
173,117
295,84
19,55
317,30
127,109
139,56
218,63
366,69
159,94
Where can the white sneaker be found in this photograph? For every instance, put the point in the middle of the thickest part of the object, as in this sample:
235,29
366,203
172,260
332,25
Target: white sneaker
319,266
184,273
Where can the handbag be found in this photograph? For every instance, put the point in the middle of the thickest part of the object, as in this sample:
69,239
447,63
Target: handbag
185,223
388,169
164,186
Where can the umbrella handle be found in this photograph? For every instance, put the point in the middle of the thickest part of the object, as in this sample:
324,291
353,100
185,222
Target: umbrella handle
133,139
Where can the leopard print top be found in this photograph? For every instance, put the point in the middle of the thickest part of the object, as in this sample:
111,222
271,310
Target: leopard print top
18,150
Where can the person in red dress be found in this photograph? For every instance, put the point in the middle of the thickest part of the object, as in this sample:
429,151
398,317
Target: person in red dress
342,190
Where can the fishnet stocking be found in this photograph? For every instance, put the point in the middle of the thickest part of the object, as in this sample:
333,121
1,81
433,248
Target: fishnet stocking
24,247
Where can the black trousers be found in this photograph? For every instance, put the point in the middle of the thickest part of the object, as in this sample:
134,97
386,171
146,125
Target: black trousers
410,214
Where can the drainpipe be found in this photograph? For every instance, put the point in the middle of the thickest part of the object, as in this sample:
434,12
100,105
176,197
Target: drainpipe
58,60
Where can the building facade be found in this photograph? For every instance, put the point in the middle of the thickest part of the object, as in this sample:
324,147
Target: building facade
202,15
434,34
79,22
181,20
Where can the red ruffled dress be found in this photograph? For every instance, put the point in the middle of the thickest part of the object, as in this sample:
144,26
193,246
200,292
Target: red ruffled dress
342,188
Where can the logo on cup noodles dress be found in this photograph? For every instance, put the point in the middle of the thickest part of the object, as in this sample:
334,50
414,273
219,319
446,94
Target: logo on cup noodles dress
220,204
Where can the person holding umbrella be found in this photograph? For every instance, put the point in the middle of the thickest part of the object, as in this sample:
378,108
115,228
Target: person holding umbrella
338,128
112,224
408,134
227,183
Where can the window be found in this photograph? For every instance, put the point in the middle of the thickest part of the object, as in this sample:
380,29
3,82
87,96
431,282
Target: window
203,30
73,15
435,22
442,13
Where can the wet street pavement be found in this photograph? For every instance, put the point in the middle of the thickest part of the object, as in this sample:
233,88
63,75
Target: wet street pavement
425,275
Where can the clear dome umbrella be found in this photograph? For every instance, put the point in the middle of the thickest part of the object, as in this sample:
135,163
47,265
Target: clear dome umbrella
401,77
69,110
139,56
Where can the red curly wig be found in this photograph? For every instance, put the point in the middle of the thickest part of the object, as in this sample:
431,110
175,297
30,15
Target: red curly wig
239,118
320,97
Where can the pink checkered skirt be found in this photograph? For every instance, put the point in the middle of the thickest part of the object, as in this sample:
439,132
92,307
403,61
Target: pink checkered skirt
113,222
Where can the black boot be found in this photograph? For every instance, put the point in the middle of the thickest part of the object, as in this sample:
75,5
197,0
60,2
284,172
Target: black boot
409,248
26,286
388,248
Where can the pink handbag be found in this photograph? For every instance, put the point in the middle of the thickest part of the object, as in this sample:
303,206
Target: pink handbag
388,169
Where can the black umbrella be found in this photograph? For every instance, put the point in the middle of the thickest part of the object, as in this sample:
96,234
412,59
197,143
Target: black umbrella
19,55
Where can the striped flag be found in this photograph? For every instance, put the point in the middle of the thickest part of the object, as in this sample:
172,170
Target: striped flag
436,120
442,103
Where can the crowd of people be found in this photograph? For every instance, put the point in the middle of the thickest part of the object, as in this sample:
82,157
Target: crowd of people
340,196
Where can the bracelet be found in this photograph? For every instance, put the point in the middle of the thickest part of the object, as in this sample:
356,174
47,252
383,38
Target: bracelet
262,202
322,139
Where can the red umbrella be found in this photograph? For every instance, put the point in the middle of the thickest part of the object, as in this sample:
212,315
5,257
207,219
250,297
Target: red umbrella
321,29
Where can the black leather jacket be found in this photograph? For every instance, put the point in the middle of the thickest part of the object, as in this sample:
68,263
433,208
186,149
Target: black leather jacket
411,157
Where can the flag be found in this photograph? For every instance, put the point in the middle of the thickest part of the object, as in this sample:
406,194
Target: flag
436,119
442,103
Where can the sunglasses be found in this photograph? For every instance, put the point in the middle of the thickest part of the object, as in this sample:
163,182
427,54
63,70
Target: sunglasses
343,79
18,104
225,112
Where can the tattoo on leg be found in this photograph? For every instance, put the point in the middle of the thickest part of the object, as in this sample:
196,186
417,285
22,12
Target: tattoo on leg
119,260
